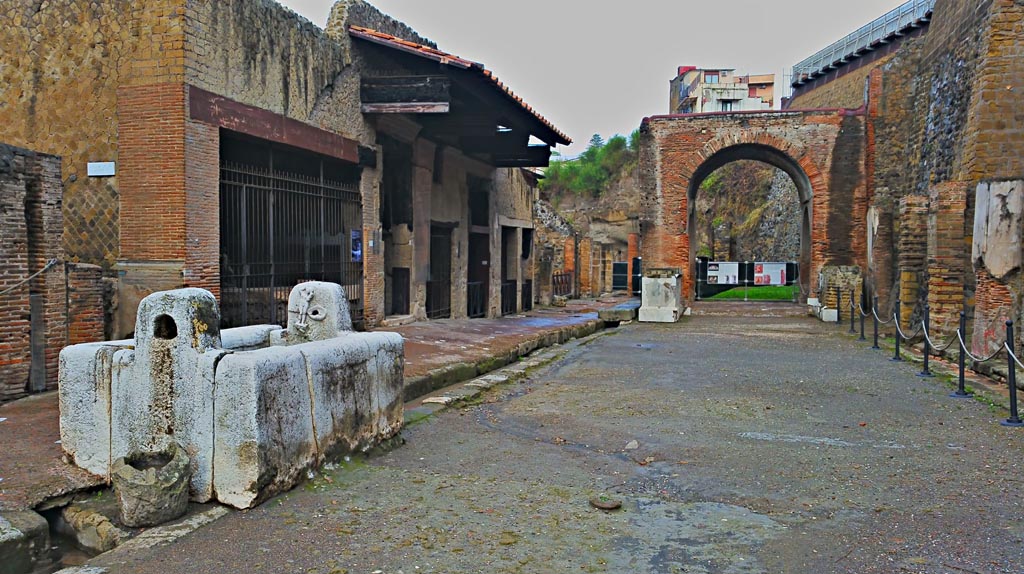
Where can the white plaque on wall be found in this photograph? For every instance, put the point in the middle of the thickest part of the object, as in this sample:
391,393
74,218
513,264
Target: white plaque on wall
101,168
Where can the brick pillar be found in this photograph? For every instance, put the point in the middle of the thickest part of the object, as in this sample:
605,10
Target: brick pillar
153,197
422,188
570,254
373,250
948,259
586,267
632,252
202,207
880,259
913,252
85,303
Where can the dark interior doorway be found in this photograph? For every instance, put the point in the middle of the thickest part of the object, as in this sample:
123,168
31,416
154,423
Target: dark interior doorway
479,275
439,286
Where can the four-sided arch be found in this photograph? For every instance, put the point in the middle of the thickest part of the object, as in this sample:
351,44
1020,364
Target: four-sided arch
821,150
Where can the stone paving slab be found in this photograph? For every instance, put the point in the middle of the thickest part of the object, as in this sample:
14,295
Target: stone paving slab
735,446
32,469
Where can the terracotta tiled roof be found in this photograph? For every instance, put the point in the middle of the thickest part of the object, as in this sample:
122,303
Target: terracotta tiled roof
454,61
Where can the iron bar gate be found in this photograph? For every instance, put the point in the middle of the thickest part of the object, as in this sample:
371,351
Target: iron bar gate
281,229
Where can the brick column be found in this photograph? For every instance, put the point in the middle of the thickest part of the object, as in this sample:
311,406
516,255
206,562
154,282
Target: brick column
948,259
153,196
373,249
586,268
632,252
202,207
85,303
913,251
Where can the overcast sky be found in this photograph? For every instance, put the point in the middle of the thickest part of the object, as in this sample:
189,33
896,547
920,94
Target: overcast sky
593,66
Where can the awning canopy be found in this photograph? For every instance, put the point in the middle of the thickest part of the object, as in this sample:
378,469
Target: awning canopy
458,102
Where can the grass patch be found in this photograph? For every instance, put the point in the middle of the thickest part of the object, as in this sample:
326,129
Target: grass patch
758,294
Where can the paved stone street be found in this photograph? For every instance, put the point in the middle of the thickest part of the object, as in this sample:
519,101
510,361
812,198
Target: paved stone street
736,445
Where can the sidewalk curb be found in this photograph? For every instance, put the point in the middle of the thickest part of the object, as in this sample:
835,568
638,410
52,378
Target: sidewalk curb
455,395
448,375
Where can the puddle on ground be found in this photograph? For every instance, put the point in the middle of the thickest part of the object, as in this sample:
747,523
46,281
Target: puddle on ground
821,441
699,538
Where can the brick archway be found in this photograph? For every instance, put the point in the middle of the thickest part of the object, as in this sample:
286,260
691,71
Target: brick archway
679,152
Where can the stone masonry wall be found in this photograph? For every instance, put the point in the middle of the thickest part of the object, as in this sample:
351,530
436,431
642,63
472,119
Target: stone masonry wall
61,62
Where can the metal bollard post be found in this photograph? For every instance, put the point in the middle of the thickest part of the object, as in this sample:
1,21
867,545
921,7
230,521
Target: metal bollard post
853,311
1011,379
839,306
861,313
874,316
961,389
896,356
926,371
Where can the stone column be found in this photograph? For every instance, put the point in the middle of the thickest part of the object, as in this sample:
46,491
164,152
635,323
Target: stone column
422,187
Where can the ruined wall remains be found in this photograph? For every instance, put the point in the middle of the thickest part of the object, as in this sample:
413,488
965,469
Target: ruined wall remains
941,124
38,316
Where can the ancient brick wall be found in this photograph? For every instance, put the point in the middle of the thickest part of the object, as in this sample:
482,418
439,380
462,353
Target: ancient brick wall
846,91
34,314
64,62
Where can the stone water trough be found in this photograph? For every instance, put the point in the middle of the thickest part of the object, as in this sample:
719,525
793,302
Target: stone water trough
254,408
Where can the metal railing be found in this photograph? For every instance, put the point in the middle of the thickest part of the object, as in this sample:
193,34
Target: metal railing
476,303
439,299
931,349
508,297
562,284
906,16
527,296
279,229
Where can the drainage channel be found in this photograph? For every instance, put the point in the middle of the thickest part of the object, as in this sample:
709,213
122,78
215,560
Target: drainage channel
64,550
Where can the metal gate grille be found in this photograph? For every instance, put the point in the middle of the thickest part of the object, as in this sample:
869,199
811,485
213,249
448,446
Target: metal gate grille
278,230
439,287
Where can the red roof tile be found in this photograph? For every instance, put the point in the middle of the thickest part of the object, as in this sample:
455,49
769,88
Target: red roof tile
454,61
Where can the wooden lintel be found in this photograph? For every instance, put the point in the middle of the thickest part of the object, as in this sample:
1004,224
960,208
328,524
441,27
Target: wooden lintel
405,89
224,112
532,156
496,142
408,108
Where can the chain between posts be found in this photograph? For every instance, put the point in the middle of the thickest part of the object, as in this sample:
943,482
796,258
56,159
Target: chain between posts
930,348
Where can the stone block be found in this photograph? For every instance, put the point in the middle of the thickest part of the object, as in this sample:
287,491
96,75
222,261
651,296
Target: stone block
164,388
152,487
356,385
620,313
661,299
24,541
659,315
998,210
91,524
248,338
317,311
84,396
263,430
